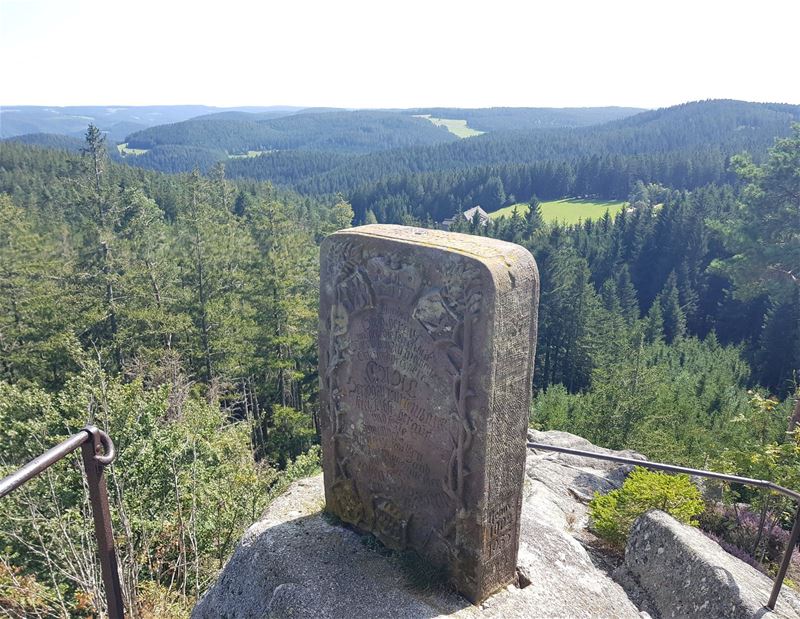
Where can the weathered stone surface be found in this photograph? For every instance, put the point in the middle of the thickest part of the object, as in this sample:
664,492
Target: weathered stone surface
427,341
563,484
687,575
295,563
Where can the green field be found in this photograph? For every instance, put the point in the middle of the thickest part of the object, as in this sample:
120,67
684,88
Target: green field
566,211
124,150
249,154
456,127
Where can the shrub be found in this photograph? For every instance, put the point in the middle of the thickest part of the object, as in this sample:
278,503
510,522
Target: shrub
291,435
737,552
739,528
182,491
613,514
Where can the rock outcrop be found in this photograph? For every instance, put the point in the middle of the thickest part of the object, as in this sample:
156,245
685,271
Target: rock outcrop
687,575
296,562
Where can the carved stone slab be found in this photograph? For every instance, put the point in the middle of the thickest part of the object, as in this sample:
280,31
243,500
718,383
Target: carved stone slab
426,343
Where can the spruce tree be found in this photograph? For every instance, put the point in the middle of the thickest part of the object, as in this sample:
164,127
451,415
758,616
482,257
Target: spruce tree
672,313
628,302
95,148
533,218
654,324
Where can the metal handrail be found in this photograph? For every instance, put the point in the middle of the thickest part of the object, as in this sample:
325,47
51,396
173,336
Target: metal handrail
98,451
671,468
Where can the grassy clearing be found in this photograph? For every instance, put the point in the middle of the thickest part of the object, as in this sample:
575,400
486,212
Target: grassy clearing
249,154
566,211
454,126
124,150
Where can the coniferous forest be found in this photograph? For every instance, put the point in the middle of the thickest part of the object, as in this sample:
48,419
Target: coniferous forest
172,300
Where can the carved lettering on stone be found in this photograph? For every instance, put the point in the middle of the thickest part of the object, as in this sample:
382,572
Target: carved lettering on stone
426,354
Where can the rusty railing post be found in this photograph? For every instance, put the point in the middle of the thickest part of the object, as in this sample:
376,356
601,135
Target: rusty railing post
97,452
787,559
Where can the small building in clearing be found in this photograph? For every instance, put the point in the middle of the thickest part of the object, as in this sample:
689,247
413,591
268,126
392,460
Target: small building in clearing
469,215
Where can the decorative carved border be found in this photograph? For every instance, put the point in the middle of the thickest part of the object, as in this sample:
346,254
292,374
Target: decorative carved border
449,313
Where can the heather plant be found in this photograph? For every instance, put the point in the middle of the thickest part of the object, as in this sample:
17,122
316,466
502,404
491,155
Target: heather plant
737,552
742,532
755,521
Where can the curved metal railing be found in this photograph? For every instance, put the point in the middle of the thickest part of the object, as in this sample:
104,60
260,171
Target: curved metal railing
98,451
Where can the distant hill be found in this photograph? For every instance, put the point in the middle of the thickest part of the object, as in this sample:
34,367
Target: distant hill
325,133
118,131
177,158
248,114
708,131
73,120
238,115
49,140
514,118
348,151
344,132
683,147
721,121
387,156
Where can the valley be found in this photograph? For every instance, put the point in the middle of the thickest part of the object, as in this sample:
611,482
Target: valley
317,269
167,281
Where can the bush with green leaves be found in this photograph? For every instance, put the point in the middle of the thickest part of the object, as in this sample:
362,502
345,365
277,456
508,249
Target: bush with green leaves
182,490
613,514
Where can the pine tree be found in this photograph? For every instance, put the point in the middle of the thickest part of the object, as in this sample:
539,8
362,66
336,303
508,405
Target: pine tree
775,360
687,295
214,254
627,295
570,308
285,289
36,342
221,190
341,216
516,227
764,237
672,313
533,218
610,296
96,149
654,324
150,316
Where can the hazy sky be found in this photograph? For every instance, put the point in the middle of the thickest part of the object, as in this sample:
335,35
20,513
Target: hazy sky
349,53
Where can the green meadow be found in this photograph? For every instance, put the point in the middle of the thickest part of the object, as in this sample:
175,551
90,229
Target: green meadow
454,126
567,210
124,150
249,154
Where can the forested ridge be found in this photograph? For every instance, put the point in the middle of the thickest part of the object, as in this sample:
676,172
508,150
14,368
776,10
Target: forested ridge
400,166
516,118
348,132
116,120
179,312
683,147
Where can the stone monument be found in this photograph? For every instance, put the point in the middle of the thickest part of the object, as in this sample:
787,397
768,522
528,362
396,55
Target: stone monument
426,356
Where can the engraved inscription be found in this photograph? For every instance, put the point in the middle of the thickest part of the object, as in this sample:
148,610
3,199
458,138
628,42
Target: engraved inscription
425,361
500,529
391,523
